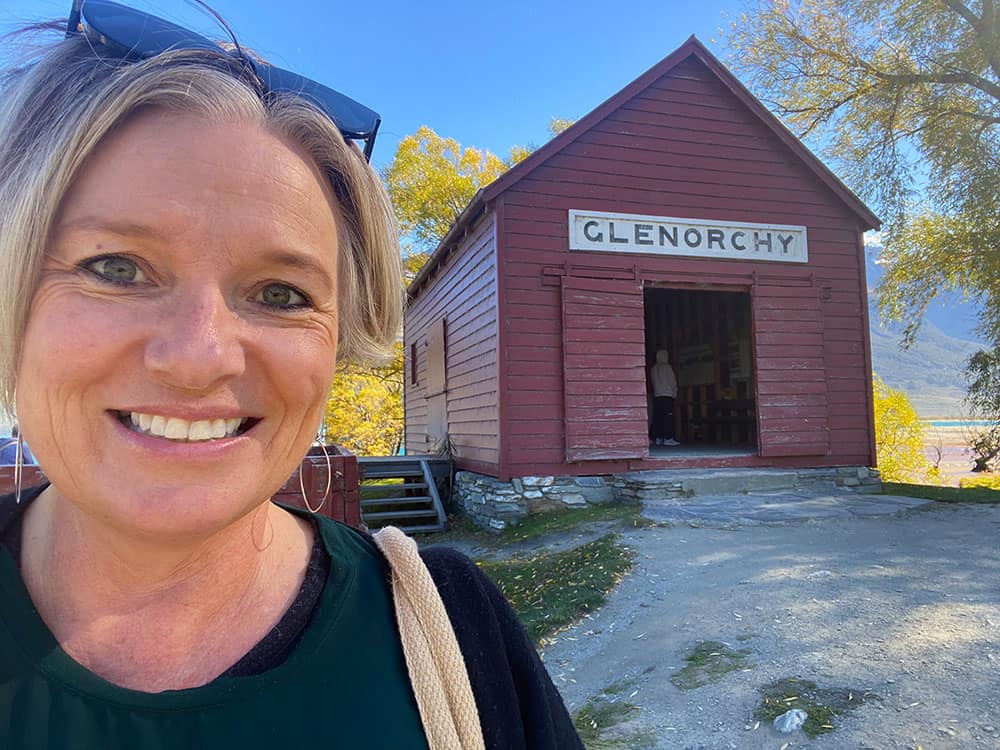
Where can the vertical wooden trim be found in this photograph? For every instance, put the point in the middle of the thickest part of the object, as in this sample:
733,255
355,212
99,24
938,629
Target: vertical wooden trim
503,403
866,333
754,369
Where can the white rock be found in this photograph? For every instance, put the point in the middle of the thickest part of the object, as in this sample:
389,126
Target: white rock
789,721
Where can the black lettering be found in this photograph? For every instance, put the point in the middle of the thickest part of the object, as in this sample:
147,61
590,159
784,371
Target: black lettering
599,237
716,235
735,243
611,234
642,234
785,240
687,237
758,242
670,236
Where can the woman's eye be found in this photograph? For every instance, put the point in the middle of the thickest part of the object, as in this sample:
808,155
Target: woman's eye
117,269
281,296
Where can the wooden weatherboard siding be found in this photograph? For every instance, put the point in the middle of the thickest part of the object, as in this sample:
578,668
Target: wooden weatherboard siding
463,294
684,146
791,372
603,369
684,141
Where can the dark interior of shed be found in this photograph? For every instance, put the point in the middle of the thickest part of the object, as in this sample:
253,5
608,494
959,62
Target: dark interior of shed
708,337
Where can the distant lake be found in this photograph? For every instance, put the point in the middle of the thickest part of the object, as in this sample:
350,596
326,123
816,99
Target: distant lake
961,422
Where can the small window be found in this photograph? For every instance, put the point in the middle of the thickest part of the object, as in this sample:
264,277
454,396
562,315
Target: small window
413,363
436,379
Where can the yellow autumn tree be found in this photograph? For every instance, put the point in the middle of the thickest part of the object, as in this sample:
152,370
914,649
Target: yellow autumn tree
899,437
432,179
365,410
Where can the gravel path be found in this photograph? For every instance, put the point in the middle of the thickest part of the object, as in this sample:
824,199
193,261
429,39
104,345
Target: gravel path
905,606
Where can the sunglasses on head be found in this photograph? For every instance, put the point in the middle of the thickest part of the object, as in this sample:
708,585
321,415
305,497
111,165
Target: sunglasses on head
137,35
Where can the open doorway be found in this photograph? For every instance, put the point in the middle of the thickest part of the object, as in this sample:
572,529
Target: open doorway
707,335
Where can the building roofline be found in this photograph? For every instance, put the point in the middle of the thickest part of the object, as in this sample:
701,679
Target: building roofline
690,48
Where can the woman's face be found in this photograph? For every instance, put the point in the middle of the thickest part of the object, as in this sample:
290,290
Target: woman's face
183,336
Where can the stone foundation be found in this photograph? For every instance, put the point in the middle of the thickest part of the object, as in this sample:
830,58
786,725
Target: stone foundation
493,504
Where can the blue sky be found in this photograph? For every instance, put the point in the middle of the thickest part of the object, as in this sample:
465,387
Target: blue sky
488,74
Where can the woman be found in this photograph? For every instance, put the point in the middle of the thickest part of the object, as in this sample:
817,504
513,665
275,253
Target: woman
188,244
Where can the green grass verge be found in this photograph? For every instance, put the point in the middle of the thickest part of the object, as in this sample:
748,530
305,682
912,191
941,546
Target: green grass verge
551,591
709,662
943,494
822,704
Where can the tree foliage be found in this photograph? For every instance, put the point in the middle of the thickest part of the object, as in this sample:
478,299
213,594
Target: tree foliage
432,179
904,97
365,410
899,437
983,373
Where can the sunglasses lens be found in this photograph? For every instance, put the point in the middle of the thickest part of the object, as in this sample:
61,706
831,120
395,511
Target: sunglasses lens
141,35
355,120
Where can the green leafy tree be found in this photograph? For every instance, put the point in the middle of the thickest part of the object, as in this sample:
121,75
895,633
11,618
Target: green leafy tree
904,97
899,437
983,374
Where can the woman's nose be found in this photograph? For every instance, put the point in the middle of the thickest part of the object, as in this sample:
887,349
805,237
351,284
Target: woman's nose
196,345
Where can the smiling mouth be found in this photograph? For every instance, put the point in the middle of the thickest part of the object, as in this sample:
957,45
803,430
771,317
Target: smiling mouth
183,430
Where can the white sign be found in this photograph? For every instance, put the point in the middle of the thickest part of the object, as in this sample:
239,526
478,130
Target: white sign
699,238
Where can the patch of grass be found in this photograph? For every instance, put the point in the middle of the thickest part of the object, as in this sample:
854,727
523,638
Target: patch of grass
822,704
601,713
943,494
607,712
709,662
551,591
460,528
982,481
619,686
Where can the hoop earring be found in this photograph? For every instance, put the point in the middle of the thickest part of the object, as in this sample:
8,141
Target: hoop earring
18,467
329,480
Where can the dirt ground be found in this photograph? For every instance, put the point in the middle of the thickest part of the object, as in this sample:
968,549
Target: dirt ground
905,607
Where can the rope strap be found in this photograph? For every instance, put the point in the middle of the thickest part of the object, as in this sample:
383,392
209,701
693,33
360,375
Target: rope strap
435,663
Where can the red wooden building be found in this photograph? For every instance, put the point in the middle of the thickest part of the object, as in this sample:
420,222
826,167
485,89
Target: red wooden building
679,214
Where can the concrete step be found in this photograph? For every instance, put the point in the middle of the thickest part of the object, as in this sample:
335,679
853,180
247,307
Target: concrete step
677,484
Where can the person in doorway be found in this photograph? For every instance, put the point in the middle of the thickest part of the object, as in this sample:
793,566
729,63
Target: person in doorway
664,382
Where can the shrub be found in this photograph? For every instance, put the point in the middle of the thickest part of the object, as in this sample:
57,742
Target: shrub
899,437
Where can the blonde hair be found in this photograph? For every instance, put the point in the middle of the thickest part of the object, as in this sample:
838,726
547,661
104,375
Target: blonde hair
55,111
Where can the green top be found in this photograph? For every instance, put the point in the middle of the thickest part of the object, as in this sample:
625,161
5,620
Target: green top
344,686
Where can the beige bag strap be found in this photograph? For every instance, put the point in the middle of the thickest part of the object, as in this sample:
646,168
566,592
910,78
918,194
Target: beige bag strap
435,663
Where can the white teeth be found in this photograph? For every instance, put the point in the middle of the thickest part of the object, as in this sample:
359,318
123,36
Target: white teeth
200,430
175,428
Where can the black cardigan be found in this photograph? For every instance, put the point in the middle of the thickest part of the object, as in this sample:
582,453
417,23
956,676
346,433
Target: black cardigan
519,707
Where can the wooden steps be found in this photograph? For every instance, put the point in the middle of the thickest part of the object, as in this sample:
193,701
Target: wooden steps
399,491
